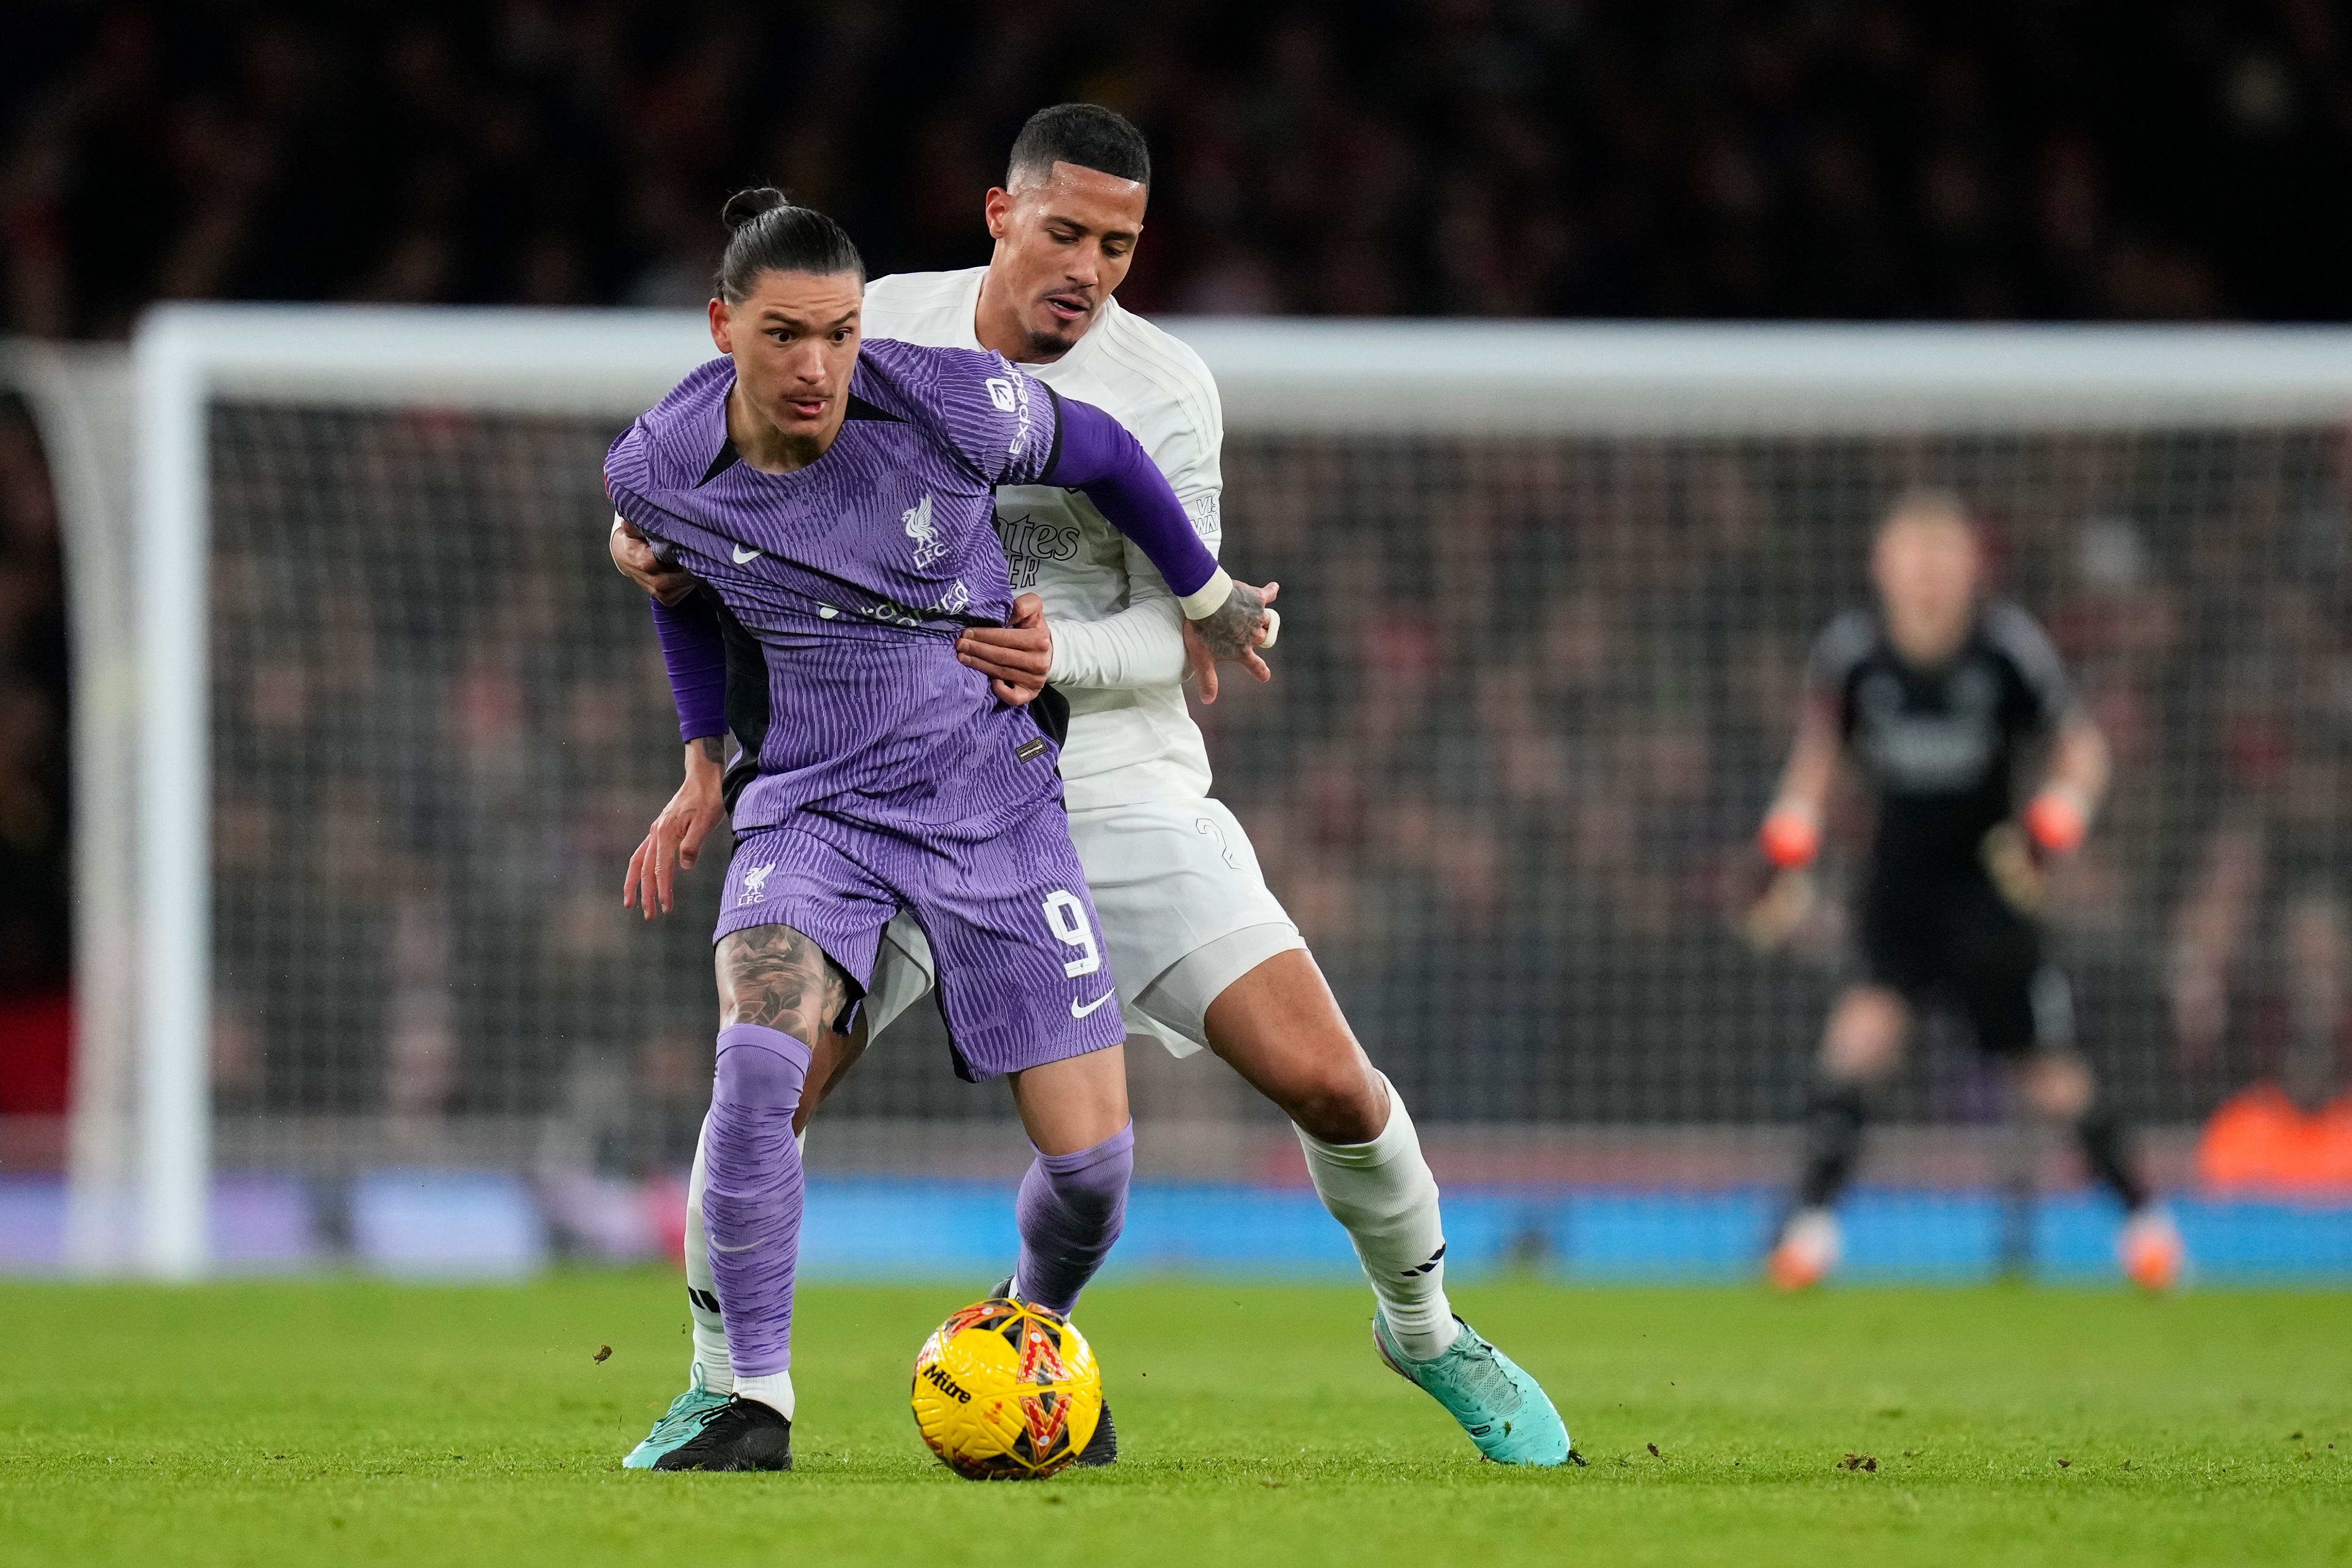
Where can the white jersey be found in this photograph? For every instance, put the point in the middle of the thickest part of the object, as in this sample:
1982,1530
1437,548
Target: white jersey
1118,641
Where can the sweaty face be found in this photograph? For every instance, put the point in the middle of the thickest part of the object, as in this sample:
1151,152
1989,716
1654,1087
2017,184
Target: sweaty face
1063,244
794,340
1927,568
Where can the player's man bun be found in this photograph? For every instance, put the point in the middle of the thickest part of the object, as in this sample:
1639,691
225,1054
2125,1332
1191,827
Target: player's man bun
768,233
1086,134
744,205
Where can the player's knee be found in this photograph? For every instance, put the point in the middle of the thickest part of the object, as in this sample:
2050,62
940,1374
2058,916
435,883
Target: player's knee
1338,1102
754,1075
2058,1088
1865,1034
1091,1185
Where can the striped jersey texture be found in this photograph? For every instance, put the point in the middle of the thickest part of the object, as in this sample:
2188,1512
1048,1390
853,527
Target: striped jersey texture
1118,638
854,575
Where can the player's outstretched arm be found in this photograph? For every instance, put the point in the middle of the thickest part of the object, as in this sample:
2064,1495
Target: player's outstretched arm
2054,822
1097,455
674,840
696,654
2060,811
1148,644
1791,834
1140,645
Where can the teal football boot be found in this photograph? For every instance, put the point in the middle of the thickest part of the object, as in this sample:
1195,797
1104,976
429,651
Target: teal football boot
1507,1412
688,1413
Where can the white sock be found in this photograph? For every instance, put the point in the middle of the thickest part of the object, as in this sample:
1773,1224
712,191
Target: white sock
1382,1192
774,1391
702,1293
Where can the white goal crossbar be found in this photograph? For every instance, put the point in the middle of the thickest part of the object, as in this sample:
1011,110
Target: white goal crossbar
1417,377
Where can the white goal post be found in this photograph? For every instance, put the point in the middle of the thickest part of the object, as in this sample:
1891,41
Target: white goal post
1306,377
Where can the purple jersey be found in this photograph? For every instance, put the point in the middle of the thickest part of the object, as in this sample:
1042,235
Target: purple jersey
854,575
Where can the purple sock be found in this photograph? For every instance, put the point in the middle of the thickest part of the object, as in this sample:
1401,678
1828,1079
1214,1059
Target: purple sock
751,1192
1071,1209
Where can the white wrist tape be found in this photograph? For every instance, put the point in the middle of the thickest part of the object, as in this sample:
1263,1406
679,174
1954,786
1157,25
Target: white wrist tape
1209,598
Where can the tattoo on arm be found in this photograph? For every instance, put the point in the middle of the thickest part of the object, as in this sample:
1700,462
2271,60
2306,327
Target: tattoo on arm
774,977
713,746
1231,629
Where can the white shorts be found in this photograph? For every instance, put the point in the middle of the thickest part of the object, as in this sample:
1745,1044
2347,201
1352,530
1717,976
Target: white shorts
1184,908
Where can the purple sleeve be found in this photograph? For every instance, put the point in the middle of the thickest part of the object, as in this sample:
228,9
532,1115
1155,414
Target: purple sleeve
696,653
1095,452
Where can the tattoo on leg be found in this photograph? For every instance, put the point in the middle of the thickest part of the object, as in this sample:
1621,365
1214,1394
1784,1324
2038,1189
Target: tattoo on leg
774,977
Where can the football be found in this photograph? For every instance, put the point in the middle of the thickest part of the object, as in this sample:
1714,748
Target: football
1006,1391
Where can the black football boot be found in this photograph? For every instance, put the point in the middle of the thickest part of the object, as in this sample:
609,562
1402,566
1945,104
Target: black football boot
740,1435
1102,1448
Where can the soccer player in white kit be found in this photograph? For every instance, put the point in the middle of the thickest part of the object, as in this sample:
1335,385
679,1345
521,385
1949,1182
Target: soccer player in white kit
1202,951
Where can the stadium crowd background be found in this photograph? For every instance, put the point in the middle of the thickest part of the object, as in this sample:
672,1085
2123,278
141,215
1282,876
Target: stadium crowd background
1420,778
1823,159
1508,792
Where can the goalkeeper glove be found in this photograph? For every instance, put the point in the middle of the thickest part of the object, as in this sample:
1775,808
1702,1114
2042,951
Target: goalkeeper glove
1790,836
2056,819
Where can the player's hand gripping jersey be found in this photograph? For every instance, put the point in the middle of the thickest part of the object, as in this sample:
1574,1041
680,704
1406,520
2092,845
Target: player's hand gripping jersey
854,576
1174,877
887,776
1118,643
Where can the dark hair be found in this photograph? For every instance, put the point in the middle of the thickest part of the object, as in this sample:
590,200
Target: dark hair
770,234
1086,134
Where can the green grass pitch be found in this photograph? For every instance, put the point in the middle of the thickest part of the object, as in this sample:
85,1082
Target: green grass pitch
348,1423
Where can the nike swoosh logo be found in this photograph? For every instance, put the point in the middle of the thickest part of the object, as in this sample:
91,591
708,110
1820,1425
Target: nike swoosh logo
1078,1012
744,555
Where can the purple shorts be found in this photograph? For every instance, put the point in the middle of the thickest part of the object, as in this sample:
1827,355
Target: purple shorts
1023,978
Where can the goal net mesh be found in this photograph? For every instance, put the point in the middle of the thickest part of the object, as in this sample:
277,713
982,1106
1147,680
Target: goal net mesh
1529,701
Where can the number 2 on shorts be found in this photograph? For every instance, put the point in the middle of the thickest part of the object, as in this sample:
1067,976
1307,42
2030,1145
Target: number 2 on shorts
1067,919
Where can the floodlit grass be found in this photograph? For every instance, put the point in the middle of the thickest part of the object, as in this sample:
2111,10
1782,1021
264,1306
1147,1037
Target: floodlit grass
348,1423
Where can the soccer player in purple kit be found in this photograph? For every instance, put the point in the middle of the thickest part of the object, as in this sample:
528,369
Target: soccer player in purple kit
838,500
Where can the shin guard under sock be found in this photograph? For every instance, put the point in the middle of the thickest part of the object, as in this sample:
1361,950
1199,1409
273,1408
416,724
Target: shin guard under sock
751,1198
1071,1208
1383,1194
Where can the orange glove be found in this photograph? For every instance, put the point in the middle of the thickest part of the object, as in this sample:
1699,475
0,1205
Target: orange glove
2056,821
1789,837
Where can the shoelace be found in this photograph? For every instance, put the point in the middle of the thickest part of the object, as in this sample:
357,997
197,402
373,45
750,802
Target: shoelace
673,1416
703,1418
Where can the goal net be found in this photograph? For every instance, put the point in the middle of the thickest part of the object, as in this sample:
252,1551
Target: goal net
1549,591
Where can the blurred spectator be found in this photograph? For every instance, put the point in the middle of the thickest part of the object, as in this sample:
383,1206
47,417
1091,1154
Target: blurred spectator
1533,689
1526,709
2288,1136
1850,158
